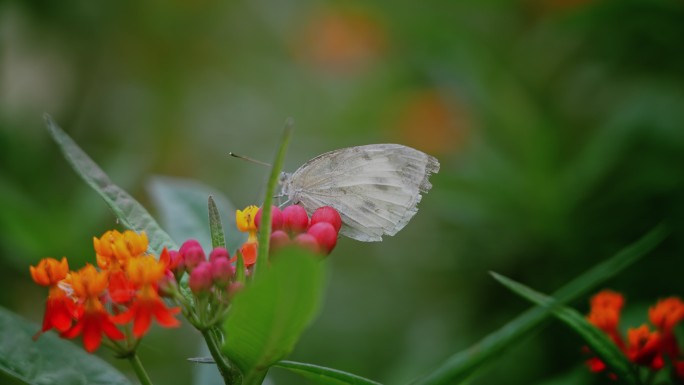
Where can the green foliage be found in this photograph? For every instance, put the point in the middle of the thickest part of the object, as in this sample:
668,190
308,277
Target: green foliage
129,212
49,360
323,375
595,338
463,365
218,238
268,317
182,207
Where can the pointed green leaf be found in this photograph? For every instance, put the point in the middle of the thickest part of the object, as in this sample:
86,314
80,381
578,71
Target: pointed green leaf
323,375
130,213
240,268
218,238
595,338
182,207
268,317
265,231
463,365
49,360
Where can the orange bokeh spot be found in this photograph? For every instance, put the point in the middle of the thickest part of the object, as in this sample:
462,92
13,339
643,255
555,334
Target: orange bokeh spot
342,40
431,122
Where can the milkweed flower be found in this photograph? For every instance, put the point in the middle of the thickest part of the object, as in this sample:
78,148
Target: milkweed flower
88,285
59,309
643,346
145,272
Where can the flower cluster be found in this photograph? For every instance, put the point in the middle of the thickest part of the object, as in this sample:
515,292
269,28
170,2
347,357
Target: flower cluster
92,301
645,346
292,225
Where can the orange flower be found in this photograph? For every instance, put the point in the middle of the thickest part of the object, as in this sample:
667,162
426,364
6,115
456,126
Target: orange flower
114,249
607,299
249,254
643,347
59,308
605,314
667,313
145,272
49,271
88,285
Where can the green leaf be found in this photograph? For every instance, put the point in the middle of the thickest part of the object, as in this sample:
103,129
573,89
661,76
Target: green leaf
595,338
49,360
129,212
218,238
323,375
463,365
240,268
182,207
265,231
268,317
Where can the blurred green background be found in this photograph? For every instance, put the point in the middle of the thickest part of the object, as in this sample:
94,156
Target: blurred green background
559,125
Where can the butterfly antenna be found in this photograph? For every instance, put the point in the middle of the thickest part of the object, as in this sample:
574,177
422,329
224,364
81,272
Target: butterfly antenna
234,155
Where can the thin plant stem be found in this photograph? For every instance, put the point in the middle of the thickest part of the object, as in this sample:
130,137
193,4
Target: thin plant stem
265,231
231,376
139,369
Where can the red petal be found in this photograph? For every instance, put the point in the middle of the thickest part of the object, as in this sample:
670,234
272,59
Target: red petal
143,318
92,333
165,316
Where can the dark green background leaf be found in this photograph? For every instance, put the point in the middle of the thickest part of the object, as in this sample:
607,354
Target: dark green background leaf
595,338
268,317
49,360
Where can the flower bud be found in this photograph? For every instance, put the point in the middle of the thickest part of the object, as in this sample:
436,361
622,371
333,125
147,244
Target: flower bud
222,271
276,218
192,254
295,219
218,252
308,242
201,278
279,239
325,235
168,284
327,214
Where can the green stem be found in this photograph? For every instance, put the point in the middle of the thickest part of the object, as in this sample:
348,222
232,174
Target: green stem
231,376
265,231
139,369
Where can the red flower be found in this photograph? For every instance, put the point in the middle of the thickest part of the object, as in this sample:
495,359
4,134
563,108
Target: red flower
643,347
88,285
60,310
145,272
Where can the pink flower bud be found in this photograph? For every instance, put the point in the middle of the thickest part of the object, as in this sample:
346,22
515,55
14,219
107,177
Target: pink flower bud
308,242
192,254
176,263
168,284
325,235
327,214
222,271
218,252
279,239
276,218
201,278
295,219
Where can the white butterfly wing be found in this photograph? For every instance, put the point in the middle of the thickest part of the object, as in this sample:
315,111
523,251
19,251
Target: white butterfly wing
376,188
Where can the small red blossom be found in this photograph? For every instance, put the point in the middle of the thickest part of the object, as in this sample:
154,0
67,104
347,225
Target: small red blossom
643,347
667,313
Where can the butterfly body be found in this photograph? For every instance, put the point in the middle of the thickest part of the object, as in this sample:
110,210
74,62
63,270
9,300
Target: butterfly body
376,188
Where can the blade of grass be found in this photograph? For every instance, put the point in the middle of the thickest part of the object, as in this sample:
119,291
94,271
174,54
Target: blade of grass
265,231
462,365
323,375
218,238
129,212
595,338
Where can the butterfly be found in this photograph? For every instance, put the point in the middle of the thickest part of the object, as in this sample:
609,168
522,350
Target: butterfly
376,188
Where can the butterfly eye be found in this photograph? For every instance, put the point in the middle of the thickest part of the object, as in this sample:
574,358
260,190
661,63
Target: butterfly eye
282,178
